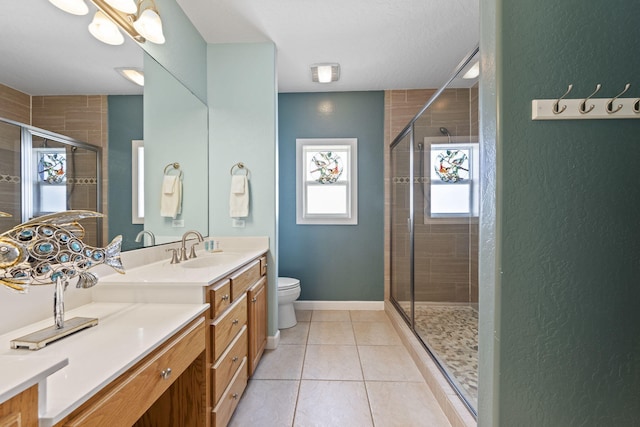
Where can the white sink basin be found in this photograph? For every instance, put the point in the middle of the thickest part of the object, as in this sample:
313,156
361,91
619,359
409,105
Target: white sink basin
211,260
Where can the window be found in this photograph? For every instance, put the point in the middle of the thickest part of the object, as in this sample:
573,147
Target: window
51,180
326,181
454,180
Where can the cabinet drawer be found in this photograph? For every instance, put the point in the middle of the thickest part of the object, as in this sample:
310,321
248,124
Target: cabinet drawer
219,296
136,390
263,266
226,327
21,410
231,396
228,364
241,280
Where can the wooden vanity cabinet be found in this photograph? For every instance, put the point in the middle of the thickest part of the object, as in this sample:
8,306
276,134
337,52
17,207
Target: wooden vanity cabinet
21,410
166,388
257,299
237,336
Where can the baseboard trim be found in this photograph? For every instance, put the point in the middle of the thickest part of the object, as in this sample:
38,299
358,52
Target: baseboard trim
273,341
339,305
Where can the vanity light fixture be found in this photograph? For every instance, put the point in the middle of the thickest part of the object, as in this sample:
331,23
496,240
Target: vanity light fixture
473,72
125,6
325,73
148,24
105,30
74,7
134,75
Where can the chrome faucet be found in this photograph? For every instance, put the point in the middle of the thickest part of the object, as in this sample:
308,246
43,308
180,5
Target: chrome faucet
149,233
183,249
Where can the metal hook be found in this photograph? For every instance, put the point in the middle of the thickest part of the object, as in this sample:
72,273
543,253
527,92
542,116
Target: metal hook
583,105
609,105
556,105
636,106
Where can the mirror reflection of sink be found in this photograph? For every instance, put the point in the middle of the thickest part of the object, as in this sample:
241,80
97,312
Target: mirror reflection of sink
210,260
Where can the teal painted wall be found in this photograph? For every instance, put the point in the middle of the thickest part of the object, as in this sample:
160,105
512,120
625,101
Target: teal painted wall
242,112
125,124
334,262
562,321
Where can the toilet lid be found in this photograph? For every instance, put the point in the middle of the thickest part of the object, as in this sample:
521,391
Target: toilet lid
287,283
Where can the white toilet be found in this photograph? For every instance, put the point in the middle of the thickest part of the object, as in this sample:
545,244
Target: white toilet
288,292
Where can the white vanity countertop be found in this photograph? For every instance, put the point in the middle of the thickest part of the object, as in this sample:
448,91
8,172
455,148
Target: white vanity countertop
125,334
20,372
163,282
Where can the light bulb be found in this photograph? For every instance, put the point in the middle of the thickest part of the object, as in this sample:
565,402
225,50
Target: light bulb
75,7
149,26
126,6
105,30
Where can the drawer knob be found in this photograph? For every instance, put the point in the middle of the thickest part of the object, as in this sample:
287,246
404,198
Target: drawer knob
254,299
166,373
235,359
225,297
235,321
235,395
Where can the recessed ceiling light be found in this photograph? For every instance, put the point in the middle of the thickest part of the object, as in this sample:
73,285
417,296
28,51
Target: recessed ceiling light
473,72
132,74
325,73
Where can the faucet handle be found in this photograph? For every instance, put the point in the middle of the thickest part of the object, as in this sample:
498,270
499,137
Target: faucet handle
174,256
192,253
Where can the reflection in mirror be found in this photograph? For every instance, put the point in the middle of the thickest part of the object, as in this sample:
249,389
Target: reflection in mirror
44,172
78,96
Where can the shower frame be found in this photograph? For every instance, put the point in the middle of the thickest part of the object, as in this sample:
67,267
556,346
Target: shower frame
408,130
27,161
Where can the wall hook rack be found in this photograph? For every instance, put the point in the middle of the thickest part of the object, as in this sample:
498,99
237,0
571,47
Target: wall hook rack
562,108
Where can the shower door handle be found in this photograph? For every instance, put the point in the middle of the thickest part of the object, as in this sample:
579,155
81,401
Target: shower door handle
409,225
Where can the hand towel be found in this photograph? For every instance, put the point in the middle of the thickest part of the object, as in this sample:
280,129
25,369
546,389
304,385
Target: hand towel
171,197
239,196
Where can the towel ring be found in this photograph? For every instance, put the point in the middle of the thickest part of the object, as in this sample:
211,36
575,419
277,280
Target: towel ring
240,166
175,166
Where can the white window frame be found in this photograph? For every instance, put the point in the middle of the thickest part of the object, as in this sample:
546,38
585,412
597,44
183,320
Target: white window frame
304,145
439,143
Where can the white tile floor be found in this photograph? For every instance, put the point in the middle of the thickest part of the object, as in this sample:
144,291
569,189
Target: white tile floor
338,368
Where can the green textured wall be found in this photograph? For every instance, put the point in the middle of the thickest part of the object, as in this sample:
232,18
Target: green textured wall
125,125
561,346
334,262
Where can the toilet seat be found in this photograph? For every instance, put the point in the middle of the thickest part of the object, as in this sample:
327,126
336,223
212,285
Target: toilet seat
285,283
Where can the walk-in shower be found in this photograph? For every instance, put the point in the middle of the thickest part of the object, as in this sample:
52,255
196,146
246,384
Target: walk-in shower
434,210
42,172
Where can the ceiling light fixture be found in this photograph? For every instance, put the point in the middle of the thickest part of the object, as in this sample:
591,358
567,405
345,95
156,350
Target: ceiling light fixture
74,7
105,30
148,23
134,75
325,73
142,24
473,72
125,6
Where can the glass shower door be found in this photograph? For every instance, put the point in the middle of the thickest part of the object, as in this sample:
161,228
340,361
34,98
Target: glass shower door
401,236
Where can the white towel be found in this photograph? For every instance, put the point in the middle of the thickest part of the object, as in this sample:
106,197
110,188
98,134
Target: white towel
239,196
171,197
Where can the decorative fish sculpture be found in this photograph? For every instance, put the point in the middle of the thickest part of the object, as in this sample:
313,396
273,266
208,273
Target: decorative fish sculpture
48,248
4,215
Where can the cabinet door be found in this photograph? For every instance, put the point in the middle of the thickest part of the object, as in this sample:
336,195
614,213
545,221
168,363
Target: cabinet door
257,323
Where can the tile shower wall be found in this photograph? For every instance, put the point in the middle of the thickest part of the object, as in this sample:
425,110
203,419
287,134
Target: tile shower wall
79,117
446,253
83,118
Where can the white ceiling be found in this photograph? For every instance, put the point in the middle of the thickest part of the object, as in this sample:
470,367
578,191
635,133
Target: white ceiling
379,44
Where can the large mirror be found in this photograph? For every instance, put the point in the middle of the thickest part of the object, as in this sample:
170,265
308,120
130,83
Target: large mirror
54,59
